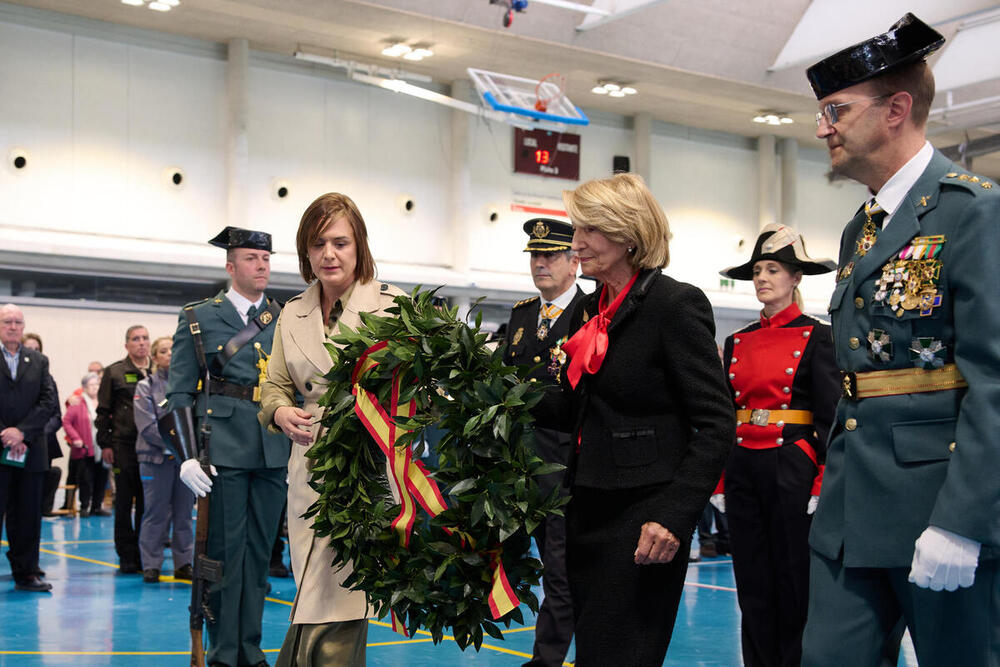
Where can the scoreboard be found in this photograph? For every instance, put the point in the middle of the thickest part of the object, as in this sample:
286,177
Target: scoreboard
543,153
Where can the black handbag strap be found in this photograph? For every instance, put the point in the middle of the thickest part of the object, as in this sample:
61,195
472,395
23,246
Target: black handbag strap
263,320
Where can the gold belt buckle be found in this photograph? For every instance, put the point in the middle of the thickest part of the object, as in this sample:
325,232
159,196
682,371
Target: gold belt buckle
760,417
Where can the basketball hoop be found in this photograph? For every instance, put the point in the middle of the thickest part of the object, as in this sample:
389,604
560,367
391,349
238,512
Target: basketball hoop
550,87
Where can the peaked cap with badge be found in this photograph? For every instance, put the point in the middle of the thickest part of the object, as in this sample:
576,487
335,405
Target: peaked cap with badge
782,244
235,237
548,235
907,41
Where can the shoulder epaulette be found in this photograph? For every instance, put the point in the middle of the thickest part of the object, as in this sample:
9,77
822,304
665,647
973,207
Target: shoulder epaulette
817,319
746,326
294,298
525,302
973,183
196,303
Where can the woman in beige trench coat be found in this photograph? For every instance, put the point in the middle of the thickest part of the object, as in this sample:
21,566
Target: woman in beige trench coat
328,622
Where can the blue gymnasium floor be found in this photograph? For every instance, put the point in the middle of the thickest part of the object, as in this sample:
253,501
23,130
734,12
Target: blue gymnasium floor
95,616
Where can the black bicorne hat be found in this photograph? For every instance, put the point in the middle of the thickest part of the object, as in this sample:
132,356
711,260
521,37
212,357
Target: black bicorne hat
234,237
782,244
548,235
907,41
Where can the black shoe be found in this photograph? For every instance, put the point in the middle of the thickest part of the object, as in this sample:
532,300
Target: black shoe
33,584
100,512
184,572
128,567
708,550
151,576
84,514
278,570
39,572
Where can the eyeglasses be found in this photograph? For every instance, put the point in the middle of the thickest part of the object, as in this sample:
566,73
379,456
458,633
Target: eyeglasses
12,323
830,110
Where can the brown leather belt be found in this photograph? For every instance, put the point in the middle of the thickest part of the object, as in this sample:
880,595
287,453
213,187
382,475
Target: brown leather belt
856,386
765,417
233,390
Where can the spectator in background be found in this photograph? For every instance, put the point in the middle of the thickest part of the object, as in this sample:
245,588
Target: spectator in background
167,500
85,465
26,401
33,341
116,434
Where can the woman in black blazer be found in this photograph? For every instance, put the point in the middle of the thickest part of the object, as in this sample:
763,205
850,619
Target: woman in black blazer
646,400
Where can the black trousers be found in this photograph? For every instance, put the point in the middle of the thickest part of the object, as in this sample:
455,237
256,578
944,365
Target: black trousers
767,491
50,485
554,625
90,478
624,612
128,497
21,510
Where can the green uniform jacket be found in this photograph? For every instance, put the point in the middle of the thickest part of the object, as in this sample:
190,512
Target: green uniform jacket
897,464
238,440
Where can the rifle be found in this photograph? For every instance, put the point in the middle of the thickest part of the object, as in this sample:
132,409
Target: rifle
206,570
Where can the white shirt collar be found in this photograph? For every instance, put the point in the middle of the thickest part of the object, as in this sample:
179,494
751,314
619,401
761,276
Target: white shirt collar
563,300
892,194
241,303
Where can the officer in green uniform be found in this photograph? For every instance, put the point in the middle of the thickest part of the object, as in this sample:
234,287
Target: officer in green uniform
535,333
224,342
907,524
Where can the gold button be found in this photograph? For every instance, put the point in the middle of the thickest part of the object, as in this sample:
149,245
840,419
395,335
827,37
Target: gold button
951,447
854,343
851,424
209,411
534,379
859,303
220,347
537,359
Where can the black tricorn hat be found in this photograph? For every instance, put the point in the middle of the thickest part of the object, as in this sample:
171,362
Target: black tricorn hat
782,244
234,237
548,235
907,41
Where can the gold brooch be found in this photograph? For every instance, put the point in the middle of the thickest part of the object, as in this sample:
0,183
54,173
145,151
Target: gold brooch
266,317
540,230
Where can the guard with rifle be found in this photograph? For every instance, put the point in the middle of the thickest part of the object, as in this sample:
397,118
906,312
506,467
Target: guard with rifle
235,466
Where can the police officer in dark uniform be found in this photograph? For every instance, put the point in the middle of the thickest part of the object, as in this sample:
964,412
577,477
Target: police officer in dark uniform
535,333
228,339
907,526
116,434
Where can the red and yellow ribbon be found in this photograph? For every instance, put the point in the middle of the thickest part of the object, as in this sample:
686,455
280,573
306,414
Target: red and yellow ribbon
409,479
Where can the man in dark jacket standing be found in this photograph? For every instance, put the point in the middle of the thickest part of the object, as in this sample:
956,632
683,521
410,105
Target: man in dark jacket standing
26,402
537,329
906,527
116,434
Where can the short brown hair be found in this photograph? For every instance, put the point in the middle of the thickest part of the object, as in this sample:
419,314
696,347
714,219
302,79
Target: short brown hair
128,332
624,210
317,217
917,80
35,337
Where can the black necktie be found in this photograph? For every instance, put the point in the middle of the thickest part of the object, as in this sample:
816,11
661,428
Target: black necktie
251,312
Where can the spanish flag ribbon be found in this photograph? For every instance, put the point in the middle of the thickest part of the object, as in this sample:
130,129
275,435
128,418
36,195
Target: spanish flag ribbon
409,478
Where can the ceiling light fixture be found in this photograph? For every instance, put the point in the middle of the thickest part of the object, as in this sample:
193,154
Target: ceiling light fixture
613,88
397,48
772,118
134,3
159,6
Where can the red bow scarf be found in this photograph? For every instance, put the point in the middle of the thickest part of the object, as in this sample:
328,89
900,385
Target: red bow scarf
410,480
589,344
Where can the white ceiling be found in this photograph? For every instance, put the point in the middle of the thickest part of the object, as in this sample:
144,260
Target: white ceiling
703,63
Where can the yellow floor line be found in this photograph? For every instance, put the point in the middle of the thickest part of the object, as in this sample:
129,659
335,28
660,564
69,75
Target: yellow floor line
54,543
372,621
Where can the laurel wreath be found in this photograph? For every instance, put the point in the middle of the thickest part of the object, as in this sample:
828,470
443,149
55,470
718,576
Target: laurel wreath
486,472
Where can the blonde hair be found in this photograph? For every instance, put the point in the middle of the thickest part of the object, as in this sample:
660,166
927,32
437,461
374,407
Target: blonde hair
155,347
624,210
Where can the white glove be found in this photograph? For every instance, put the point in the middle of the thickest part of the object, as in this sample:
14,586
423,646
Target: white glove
718,501
944,560
195,478
813,503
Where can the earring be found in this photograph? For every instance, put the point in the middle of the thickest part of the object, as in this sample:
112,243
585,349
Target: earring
631,250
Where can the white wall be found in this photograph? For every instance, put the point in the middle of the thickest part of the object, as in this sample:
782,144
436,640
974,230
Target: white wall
103,114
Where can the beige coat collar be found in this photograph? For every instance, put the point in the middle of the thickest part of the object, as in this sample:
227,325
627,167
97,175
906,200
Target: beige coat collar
308,332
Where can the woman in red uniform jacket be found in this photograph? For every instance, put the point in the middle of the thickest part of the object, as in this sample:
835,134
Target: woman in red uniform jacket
785,387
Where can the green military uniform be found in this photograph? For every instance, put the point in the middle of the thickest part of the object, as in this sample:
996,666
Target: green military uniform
914,441
248,493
